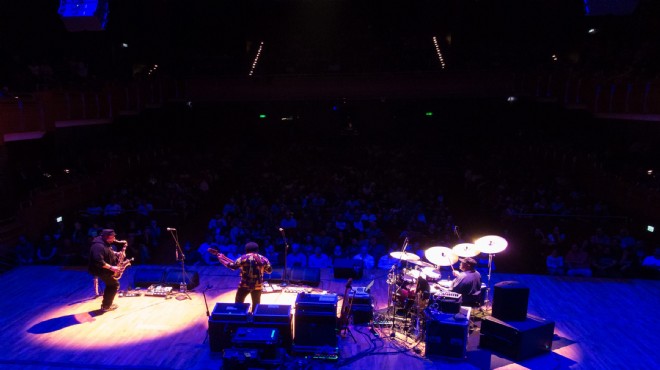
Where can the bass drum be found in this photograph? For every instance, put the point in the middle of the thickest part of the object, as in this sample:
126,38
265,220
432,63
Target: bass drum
405,297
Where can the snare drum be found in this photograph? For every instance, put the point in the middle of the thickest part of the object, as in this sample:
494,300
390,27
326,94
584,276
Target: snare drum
432,276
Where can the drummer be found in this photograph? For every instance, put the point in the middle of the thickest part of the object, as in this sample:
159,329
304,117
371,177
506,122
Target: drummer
468,280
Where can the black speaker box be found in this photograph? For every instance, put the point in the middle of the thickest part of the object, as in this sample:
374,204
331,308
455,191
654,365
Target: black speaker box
275,316
446,335
312,304
225,320
174,278
517,340
306,276
362,313
276,276
145,277
510,299
315,330
344,268
265,340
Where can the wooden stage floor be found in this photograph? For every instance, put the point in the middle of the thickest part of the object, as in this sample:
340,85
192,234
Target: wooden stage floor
50,320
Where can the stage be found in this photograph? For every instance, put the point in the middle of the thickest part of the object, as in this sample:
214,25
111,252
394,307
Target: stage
51,320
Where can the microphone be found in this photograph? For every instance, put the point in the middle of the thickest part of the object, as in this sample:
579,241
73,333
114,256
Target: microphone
281,230
121,242
170,229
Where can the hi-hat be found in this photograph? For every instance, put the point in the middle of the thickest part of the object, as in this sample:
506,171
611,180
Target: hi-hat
465,250
491,244
441,256
421,263
404,256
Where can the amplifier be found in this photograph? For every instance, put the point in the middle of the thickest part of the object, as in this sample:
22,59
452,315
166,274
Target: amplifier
223,323
230,312
265,340
272,313
517,339
317,303
447,334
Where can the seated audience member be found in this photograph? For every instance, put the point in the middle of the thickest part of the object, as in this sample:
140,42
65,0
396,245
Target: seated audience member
24,251
296,257
555,263
386,261
651,264
604,263
338,253
577,261
47,251
365,257
208,258
319,259
272,255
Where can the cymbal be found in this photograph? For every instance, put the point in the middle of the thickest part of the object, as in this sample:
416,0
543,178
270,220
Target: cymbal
430,271
465,250
421,263
491,244
404,256
441,256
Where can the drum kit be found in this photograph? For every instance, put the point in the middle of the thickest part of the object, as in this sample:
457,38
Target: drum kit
416,282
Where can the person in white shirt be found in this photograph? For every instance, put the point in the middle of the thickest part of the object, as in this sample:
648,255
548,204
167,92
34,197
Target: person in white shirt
555,263
365,257
319,259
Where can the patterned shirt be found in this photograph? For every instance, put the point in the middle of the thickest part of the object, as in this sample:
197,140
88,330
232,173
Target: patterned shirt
253,266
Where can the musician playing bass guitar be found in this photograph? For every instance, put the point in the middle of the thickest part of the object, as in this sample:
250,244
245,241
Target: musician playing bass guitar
103,263
252,265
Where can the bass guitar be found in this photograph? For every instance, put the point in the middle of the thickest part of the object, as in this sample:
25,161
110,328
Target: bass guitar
221,257
345,309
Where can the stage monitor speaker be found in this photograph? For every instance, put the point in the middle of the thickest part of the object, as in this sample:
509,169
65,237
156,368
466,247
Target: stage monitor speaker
315,330
344,268
276,276
306,276
517,340
510,299
145,277
447,334
224,321
174,279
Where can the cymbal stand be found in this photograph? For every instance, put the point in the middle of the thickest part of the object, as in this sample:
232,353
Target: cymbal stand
487,301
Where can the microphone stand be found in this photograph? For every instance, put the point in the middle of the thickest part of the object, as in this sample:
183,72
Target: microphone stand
181,257
286,250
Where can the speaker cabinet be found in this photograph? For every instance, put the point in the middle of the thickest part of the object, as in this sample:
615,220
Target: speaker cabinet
143,278
225,320
275,316
447,334
276,276
306,276
315,330
344,268
174,279
517,340
510,300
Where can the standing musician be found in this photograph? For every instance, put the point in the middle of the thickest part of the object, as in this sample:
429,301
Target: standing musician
252,265
468,281
102,263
